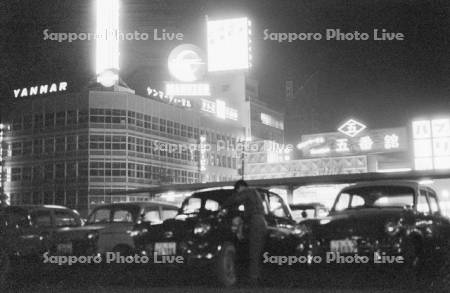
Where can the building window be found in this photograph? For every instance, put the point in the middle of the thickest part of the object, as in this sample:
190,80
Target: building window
38,120
131,170
60,144
83,142
60,119
27,122
59,171
17,123
83,170
27,148
83,117
37,173
49,145
119,142
49,120
48,172
16,149
72,117
97,169
15,174
71,143
131,143
71,171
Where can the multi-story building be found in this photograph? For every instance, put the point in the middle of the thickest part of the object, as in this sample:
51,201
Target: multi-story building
75,149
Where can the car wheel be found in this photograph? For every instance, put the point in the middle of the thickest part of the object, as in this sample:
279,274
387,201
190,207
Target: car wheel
226,265
5,267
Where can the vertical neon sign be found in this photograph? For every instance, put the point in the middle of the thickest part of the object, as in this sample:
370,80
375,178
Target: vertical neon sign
107,43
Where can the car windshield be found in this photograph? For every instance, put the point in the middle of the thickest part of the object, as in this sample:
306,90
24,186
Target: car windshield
374,197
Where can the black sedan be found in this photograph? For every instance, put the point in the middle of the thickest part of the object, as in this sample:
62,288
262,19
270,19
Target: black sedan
385,222
201,236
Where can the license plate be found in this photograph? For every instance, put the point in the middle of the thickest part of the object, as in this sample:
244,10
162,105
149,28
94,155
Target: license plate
64,248
343,246
166,248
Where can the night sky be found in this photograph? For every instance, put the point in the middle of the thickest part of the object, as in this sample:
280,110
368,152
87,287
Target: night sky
383,83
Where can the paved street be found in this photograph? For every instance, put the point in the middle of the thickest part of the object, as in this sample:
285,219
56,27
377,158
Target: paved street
128,279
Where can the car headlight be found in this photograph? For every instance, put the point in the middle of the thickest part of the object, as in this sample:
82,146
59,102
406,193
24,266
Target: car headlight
301,230
92,235
392,228
202,229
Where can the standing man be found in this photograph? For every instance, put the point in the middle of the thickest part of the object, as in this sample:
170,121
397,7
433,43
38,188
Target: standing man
255,218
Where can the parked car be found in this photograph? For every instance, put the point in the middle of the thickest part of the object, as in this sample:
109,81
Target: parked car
204,236
118,220
385,218
29,231
303,211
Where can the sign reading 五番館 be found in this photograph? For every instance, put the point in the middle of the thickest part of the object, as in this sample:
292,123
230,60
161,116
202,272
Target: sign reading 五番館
42,89
369,141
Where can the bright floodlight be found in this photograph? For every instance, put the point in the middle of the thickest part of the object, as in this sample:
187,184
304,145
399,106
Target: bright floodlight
228,44
107,78
107,43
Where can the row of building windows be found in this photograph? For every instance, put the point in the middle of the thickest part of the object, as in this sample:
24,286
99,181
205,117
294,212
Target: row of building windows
72,198
140,121
49,145
142,171
70,171
135,145
50,120
50,172
143,122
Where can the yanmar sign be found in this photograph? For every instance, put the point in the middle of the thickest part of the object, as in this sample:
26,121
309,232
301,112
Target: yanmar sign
40,89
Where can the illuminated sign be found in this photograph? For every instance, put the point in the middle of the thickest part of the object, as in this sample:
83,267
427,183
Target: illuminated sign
271,121
181,102
351,128
310,142
374,141
107,49
41,89
220,109
228,44
431,144
188,89
185,63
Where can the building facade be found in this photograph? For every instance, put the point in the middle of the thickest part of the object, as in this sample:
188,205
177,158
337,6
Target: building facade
76,149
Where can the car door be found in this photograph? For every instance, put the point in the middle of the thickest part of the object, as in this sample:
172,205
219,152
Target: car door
42,225
424,221
280,225
440,223
117,222
102,216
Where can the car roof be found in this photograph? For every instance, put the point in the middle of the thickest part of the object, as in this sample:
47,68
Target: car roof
404,183
31,207
137,204
218,195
